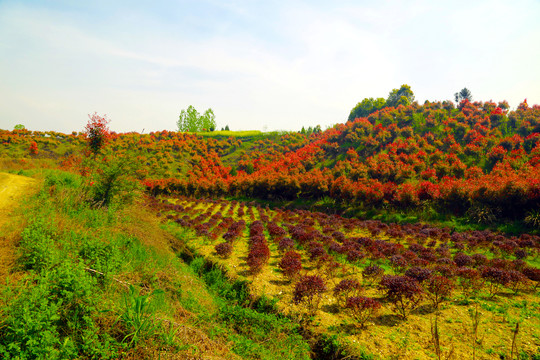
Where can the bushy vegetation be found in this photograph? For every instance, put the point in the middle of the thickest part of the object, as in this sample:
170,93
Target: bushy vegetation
99,276
327,264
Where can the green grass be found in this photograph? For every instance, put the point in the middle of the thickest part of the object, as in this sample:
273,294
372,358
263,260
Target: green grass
226,133
92,290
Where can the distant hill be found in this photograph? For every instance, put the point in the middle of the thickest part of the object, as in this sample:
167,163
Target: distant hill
477,159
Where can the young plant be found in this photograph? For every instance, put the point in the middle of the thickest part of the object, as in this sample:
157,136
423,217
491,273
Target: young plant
403,292
97,132
438,288
469,280
435,337
285,244
362,308
475,322
308,291
398,263
347,288
532,274
291,264
224,249
496,278
138,316
372,274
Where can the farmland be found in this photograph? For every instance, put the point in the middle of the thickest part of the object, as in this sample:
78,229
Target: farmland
339,250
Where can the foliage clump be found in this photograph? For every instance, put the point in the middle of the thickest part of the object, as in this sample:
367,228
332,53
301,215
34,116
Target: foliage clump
291,264
362,308
308,291
403,292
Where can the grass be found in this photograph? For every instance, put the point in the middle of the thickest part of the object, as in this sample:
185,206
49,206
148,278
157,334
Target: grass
225,133
108,283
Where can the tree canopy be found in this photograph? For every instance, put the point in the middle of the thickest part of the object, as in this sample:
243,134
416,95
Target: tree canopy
191,121
366,107
462,95
402,96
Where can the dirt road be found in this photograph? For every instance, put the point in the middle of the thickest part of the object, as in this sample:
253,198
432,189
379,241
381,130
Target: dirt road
12,189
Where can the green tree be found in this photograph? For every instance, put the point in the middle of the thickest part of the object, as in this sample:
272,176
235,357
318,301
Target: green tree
366,107
402,96
191,121
208,120
462,95
19,127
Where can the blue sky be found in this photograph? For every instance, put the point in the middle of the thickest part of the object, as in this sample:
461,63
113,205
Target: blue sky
274,65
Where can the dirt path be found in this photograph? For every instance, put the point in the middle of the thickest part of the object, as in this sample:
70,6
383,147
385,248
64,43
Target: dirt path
12,189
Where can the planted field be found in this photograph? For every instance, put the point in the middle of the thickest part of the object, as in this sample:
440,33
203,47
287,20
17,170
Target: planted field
385,290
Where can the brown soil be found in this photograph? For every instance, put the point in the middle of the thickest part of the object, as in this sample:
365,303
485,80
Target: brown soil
13,188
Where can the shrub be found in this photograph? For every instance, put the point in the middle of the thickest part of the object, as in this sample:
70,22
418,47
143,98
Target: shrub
315,250
479,259
112,179
403,292
521,254
97,132
463,260
347,288
291,264
516,280
496,277
372,274
445,270
362,308
285,244
418,273
469,279
308,291
258,256
330,268
438,287
532,274
398,262
355,256
33,148
224,249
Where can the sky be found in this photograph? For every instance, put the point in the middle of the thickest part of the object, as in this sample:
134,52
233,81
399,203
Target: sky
259,65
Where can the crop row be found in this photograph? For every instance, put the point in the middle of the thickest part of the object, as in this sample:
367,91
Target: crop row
414,260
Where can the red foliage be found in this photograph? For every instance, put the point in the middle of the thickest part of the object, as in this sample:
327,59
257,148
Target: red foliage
33,148
224,249
97,132
291,264
438,287
362,308
372,273
308,291
403,292
347,288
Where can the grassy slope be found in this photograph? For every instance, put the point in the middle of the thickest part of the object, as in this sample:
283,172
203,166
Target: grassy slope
83,271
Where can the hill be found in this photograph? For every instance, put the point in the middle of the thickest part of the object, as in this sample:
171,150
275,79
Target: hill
159,241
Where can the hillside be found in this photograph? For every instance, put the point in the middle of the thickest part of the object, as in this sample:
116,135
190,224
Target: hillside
433,161
271,245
